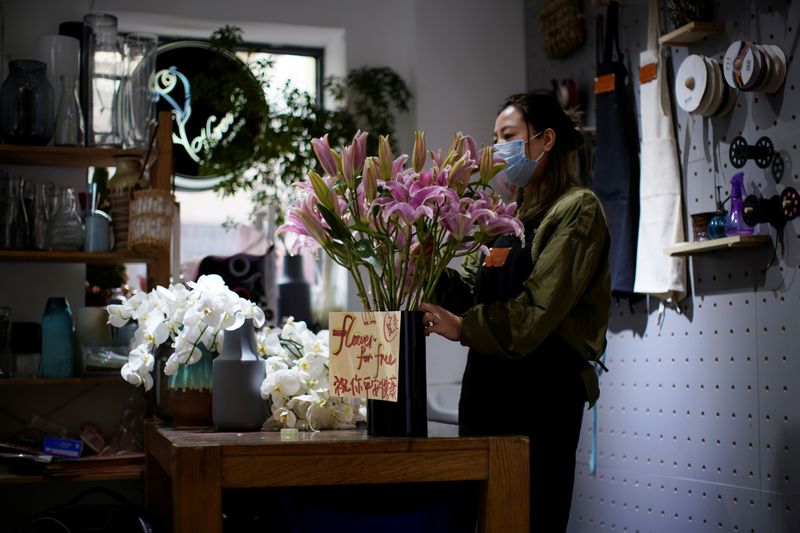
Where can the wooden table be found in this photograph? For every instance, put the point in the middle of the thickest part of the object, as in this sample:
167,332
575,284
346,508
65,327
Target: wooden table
186,470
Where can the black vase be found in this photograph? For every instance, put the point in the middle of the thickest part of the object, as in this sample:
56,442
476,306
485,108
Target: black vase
408,417
294,292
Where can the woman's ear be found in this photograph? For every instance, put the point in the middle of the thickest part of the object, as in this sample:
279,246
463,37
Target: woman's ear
548,139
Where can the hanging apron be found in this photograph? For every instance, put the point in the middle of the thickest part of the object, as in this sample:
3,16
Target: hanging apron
661,217
616,159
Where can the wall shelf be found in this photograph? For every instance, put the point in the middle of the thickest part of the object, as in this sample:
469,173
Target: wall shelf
34,256
64,156
689,33
86,380
739,241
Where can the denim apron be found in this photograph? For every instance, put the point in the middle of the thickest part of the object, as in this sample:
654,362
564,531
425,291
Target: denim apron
616,167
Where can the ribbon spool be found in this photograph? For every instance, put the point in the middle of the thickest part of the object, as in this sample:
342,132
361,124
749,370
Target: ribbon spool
759,210
762,152
701,89
749,66
790,203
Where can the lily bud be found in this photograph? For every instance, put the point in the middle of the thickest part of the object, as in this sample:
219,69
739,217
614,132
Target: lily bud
385,156
418,155
348,156
489,166
325,155
321,190
359,150
370,178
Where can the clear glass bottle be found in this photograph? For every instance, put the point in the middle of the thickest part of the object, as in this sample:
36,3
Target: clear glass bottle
40,215
65,230
58,330
7,366
69,119
8,212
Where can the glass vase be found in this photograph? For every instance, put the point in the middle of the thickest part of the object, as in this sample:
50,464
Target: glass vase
69,119
65,230
26,101
104,70
137,103
188,397
58,330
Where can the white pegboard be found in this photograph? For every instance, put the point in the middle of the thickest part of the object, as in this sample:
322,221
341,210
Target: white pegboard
699,417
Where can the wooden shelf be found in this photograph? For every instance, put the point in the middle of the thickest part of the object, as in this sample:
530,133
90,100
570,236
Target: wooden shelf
689,33
86,380
34,256
739,241
111,468
64,156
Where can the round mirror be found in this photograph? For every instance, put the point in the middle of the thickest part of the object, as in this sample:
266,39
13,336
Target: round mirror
218,109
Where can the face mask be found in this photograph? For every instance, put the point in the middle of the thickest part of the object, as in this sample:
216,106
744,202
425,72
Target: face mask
519,169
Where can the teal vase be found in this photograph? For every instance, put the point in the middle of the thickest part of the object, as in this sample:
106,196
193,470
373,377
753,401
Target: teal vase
188,398
58,349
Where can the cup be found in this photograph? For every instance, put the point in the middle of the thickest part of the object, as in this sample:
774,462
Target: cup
98,232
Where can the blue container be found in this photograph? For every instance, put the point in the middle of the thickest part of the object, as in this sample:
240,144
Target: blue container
58,349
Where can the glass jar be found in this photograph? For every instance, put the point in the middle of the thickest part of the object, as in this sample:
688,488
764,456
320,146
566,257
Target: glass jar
26,99
65,230
58,349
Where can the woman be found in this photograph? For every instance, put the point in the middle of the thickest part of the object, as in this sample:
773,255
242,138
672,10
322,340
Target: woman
535,313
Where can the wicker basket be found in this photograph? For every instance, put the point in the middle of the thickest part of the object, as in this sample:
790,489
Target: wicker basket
120,205
150,222
562,28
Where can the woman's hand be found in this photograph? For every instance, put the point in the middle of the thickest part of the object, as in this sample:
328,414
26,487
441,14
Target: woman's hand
439,320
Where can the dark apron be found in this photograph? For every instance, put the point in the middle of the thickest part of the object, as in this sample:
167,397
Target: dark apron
616,167
522,381
540,395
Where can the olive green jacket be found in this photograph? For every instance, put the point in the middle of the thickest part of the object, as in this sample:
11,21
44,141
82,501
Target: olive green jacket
568,293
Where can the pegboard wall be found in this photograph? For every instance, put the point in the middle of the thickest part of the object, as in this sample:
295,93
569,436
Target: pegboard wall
699,417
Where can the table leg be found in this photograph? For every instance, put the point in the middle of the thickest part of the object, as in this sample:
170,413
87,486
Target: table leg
197,490
505,496
158,494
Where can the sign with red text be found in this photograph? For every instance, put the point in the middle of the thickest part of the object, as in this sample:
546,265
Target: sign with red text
364,351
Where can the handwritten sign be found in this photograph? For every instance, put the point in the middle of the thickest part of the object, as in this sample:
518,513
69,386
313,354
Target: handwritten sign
364,351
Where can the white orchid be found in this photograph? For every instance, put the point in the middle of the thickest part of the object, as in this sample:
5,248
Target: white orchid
190,318
297,381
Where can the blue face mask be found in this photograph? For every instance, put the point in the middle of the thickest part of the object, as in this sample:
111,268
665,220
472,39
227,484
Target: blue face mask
519,169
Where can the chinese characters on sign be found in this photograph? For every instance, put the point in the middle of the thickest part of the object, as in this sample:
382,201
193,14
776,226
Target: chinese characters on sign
364,350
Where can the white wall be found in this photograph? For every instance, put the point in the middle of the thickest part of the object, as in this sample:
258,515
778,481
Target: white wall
460,57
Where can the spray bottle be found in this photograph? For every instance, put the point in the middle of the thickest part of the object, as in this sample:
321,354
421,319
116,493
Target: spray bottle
735,224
